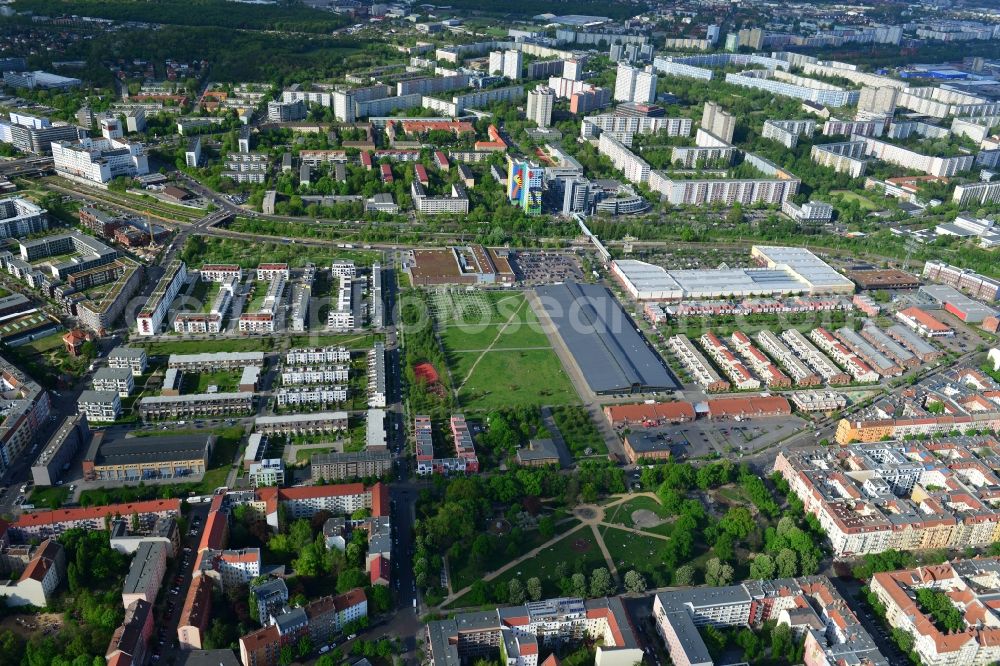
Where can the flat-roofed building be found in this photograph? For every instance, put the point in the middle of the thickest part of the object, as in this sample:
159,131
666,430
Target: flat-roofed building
214,361
357,465
151,317
57,454
128,357
195,405
99,406
134,459
314,422
119,380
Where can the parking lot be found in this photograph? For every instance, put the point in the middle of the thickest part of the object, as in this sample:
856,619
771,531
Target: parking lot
546,267
727,438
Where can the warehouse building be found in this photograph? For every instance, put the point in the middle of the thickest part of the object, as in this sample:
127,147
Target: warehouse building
782,270
957,303
133,459
612,356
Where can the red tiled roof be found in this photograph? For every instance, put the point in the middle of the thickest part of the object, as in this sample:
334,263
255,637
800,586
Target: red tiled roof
925,319
349,599
94,512
380,570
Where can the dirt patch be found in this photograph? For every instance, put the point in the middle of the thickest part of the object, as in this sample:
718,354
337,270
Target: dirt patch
582,545
26,626
644,518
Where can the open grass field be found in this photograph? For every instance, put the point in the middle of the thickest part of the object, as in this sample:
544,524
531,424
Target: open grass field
634,551
349,340
497,366
863,201
198,382
512,378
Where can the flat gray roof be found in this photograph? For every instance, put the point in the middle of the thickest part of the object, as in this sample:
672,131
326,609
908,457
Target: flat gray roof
611,354
156,449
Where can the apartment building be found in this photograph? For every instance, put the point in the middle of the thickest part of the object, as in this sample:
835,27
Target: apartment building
195,405
977,193
58,452
898,353
624,128
869,498
151,317
845,157
37,584
101,315
920,348
696,364
782,83
145,574
726,191
246,167
228,567
787,132
761,364
286,397
99,406
521,632
334,374
724,357
357,465
195,614
942,167
965,280
30,134
801,374
464,460
810,605
119,380
20,217
130,641
634,168
854,128
872,356
635,85
814,358
967,584
294,424
540,103
377,383
27,411
456,203
214,361
856,367
43,524
267,472
220,273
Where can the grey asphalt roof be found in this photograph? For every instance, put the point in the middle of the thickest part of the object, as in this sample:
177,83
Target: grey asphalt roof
134,450
611,354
